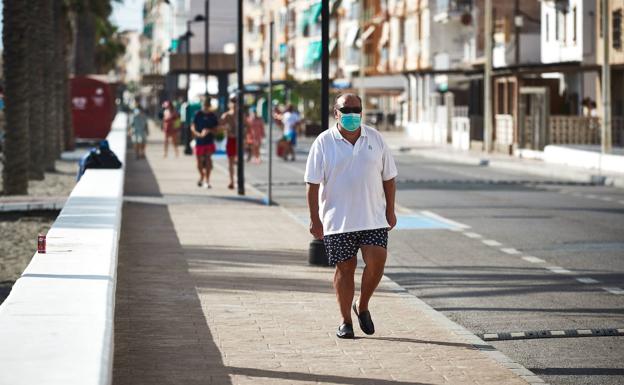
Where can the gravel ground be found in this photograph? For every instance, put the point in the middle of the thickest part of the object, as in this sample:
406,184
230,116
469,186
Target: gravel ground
19,230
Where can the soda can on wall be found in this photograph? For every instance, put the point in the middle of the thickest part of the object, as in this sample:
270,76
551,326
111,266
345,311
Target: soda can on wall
41,244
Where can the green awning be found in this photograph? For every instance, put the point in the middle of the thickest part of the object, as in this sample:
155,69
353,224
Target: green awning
305,19
315,12
314,53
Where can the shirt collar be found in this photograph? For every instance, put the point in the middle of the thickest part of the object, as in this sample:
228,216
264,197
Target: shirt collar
338,135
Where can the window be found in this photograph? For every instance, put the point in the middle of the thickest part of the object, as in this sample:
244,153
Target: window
617,29
547,27
556,25
574,24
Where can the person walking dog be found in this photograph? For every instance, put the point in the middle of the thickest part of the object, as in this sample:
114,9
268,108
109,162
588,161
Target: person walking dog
350,176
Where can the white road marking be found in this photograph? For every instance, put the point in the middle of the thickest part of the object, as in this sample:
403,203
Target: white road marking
614,290
559,270
531,259
557,333
591,196
621,202
490,336
510,250
587,280
584,332
517,334
473,235
578,195
607,199
620,330
444,220
491,242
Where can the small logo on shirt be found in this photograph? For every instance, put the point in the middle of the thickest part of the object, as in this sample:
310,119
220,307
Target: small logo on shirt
370,147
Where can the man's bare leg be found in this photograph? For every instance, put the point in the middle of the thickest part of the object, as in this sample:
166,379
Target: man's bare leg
208,168
231,160
375,260
166,144
200,167
344,285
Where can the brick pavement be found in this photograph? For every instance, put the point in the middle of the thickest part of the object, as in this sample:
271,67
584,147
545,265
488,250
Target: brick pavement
215,289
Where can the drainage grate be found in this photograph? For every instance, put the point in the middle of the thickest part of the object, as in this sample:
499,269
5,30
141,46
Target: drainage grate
538,334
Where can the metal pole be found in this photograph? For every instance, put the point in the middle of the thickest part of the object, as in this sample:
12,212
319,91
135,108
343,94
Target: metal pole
362,58
487,79
206,41
325,65
270,109
606,81
240,96
188,59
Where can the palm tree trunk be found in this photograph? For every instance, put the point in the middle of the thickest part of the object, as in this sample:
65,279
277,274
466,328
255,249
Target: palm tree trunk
85,42
65,44
48,96
35,115
15,41
58,78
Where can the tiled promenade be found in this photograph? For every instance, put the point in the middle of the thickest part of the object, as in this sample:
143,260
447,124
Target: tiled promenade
215,289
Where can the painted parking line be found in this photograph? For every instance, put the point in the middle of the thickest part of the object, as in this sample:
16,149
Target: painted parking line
614,290
472,235
491,242
559,270
587,280
591,196
531,259
510,250
449,222
607,199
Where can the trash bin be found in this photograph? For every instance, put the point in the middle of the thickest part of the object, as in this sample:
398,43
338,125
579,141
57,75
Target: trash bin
317,256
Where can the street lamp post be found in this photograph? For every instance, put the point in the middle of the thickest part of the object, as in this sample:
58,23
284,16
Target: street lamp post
240,102
188,36
206,41
325,65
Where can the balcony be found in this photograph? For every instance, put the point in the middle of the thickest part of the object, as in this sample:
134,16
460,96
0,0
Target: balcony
446,10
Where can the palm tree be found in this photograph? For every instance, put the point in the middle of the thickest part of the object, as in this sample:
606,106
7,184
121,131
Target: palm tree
35,84
15,40
46,31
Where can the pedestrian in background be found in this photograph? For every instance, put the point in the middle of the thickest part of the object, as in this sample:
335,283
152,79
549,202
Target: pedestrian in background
170,125
229,123
204,127
255,135
350,176
139,132
290,120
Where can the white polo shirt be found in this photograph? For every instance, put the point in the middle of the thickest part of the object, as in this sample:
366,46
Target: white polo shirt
351,195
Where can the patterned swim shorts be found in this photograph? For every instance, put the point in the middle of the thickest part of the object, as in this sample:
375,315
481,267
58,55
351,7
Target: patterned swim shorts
343,246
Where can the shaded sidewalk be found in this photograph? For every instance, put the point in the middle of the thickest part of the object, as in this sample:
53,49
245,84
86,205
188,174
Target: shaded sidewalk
215,289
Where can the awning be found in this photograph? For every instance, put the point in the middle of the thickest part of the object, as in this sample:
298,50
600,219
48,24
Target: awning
314,53
305,19
315,12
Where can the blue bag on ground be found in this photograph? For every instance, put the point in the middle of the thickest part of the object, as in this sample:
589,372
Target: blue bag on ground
101,157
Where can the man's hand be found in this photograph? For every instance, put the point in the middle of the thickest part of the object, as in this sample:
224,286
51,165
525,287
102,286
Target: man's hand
391,218
316,229
204,133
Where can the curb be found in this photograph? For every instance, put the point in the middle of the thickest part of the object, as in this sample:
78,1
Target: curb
485,348
544,170
31,206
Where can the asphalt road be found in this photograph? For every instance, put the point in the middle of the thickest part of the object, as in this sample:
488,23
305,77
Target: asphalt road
520,266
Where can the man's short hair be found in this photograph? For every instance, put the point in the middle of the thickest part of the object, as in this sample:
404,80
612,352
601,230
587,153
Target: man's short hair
346,95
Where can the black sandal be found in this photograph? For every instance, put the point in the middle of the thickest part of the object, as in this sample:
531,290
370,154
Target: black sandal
366,322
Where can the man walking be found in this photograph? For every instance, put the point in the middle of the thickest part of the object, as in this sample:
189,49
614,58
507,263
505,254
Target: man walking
203,128
350,189
229,123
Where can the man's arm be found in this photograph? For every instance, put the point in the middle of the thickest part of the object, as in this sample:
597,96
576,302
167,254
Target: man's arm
389,187
316,226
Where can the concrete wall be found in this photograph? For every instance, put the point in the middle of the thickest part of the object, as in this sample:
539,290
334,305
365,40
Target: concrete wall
56,326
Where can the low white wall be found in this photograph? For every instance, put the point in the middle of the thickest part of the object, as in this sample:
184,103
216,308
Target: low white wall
56,326
584,158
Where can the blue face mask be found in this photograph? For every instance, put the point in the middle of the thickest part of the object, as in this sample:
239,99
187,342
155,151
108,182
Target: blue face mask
350,122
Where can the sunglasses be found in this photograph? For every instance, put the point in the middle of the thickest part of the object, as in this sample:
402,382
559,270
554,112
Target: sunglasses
350,110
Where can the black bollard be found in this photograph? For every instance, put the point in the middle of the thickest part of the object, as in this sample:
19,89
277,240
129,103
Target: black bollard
317,255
